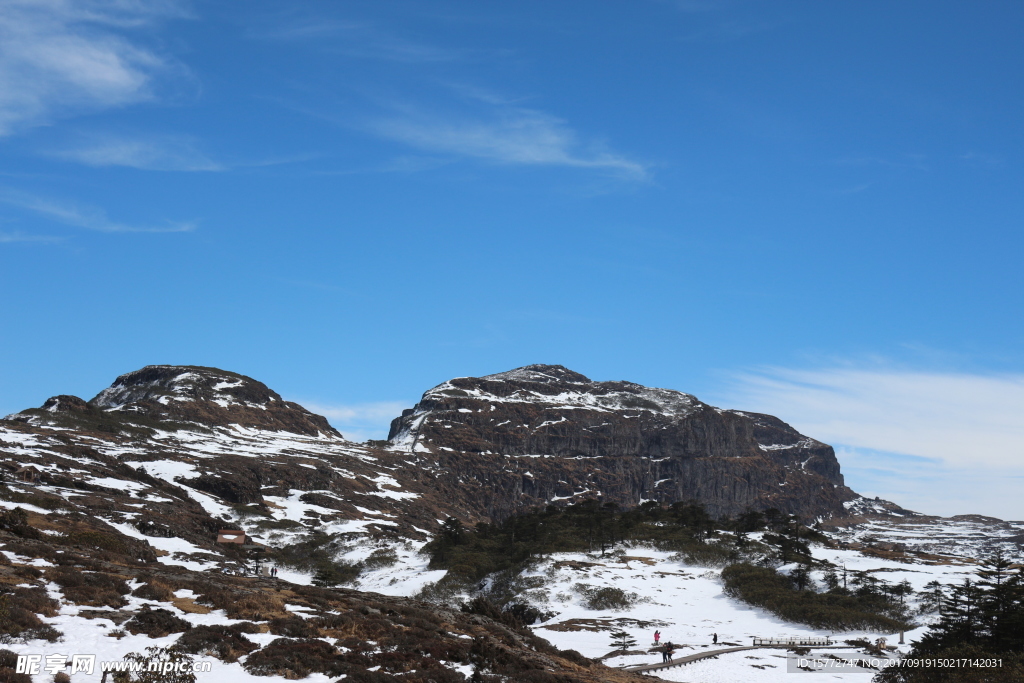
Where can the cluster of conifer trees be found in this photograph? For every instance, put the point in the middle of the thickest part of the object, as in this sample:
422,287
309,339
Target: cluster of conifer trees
588,526
980,628
866,602
592,526
984,615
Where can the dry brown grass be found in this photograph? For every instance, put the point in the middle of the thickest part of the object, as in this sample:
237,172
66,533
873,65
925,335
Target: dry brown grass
154,589
257,607
189,605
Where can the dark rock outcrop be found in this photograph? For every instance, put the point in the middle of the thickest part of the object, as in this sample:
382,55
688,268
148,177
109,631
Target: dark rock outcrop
545,433
171,395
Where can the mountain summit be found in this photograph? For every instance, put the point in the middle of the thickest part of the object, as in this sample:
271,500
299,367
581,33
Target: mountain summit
493,446
165,395
572,437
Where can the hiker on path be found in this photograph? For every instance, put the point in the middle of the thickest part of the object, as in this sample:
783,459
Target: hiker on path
657,637
714,637
669,651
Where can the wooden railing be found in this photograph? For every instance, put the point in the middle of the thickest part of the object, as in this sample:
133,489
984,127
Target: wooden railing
810,641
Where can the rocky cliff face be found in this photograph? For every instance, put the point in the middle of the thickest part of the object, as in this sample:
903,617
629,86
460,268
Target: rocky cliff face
544,433
205,446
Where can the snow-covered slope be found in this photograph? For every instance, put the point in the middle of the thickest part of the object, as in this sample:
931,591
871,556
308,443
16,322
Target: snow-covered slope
140,479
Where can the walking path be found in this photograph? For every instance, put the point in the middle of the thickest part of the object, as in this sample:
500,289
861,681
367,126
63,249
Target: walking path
680,661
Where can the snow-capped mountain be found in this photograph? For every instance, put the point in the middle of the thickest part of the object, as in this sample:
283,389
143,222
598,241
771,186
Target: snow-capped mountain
569,436
131,489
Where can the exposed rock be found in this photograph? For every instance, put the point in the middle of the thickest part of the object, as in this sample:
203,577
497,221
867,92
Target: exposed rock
543,432
175,394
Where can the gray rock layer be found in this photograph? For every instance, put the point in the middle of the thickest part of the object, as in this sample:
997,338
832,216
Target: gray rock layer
544,433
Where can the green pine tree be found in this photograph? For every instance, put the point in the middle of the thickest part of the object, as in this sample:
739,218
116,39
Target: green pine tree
930,599
622,640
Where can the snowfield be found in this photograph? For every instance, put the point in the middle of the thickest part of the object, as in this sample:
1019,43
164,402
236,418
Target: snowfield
685,602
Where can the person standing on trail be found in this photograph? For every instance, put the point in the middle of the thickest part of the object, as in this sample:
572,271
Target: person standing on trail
657,637
669,651
714,638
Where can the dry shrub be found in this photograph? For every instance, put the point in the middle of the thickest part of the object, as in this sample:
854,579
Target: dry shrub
499,658
293,627
256,606
575,657
156,623
540,676
154,589
377,677
30,548
16,522
434,674
61,677
223,642
28,572
215,597
91,589
34,599
247,627
335,625
295,658
8,664
323,598
370,626
413,644
16,622
8,675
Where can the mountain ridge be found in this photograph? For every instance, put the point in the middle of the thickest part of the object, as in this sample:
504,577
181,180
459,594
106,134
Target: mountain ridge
664,444
189,394
573,438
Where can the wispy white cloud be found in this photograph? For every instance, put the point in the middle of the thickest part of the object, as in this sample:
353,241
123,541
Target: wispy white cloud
360,421
12,237
58,56
958,418
928,485
88,217
356,39
939,442
153,153
981,158
510,136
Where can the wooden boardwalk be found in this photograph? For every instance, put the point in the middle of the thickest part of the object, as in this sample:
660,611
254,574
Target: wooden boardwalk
680,661
697,656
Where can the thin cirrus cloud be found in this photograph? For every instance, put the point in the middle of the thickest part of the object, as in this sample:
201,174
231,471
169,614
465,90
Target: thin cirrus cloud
929,486
15,237
61,56
151,154
961,420
87,217
360,421
514,136
355,39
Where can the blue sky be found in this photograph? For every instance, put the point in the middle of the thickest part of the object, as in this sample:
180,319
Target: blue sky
811,209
